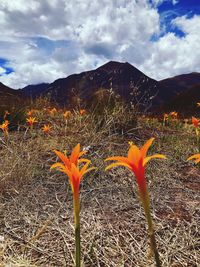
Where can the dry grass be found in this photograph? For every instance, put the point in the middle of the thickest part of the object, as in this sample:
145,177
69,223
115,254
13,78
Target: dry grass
36,204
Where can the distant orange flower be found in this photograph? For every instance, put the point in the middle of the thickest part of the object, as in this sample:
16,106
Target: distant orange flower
52,111
195,122
4,127
31,121
198,104
136,161
6,114
82,112
67,114
173,114
195,157
46,129
165,118
30,113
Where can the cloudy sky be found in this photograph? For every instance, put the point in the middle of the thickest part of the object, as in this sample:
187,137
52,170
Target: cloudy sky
49,39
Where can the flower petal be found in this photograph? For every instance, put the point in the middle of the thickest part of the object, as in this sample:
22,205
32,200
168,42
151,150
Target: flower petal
75,154
160,156
64,158
121,159
195,156
118,164
144,149
134,155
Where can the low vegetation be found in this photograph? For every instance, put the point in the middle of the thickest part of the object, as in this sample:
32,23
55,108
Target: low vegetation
37,226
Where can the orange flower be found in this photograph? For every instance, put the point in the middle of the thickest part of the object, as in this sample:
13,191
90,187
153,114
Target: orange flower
46,129
4,127
67,114
173,114
53,111
31,121
195,157
30,113
195,122
198,104
82,112
6,114
165,117
70,167
136,162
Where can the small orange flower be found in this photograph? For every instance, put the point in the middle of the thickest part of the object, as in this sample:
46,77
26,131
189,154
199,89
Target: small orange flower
198,104
195,157
67,114
4,127
30,113
82,112
31,121
52,111
6,114
173,115
165,117
195,122
46,129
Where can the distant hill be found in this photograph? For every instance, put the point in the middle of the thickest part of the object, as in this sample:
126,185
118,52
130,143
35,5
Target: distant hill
183,92
122,78
186,102
34,91
180,83
9,96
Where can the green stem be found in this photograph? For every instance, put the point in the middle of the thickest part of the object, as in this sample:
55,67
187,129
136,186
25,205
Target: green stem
146,205
77,230
197,135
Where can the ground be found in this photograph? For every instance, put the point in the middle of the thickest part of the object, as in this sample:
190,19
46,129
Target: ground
36,205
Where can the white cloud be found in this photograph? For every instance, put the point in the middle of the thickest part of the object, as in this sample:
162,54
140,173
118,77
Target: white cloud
172,55
2,71
160,2
50,39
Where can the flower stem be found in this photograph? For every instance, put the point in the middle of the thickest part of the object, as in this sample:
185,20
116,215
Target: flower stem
77,230
146,205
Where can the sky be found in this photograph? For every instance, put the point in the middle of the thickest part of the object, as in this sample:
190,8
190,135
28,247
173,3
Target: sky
42,41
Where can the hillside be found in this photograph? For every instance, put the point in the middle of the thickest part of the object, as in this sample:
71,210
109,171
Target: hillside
186,102
9,97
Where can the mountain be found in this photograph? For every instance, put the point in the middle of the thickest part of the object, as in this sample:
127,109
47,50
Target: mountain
186,102
9,96
120,78
180,83
116,79
183,92
34,91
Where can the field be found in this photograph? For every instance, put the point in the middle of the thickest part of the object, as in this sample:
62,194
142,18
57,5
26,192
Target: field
37,226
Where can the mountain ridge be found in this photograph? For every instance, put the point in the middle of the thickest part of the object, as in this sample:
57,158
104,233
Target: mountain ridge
123,78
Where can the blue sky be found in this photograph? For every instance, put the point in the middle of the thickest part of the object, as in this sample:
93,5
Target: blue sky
45,40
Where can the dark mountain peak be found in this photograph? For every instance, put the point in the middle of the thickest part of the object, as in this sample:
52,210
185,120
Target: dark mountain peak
110,66
114,66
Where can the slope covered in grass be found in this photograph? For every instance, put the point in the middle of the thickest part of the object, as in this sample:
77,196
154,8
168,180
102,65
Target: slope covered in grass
36,204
